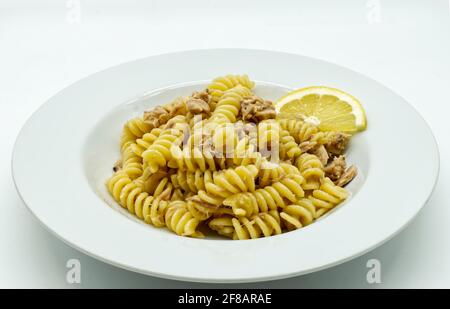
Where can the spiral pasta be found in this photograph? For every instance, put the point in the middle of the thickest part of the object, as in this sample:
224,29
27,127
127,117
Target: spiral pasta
224,140
327,196
273,172
191,181
192,159
142,144
116,183
218,160
300,130
240,228
221,84
311,169
268,198
289,149
203,210
127,139
132,130
156,184
131,196
233,180
181,221
298,215
158,154
269,139
246,153
228,182
267,224
229,105
131,163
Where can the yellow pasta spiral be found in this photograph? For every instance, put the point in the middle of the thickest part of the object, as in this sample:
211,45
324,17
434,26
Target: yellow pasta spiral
301,131
263,224
179,220
289,149
298,215
131,163
327,196
234,180
273,172
132,130
229,105
154,183
159,153
116,183
240,228
130,195
191,181
246,153
203,211
145,141
221,84
156,188
158,209
223,225
311,169
192,159
126,140
224,140
267,198
268,137
228,182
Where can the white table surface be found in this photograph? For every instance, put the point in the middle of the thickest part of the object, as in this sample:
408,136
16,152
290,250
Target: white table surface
46,47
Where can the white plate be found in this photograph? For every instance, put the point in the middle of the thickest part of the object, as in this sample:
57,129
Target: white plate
65,152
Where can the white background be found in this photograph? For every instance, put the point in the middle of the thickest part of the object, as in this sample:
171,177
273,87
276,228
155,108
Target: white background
46,47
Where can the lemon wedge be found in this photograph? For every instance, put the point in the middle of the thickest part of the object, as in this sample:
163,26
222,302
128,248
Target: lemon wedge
329,108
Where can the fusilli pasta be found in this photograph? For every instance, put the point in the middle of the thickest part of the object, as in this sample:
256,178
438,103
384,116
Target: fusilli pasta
236,171
240,228
229,105
221,84
268,198
181,221
300,130
311,169
327,196
158,154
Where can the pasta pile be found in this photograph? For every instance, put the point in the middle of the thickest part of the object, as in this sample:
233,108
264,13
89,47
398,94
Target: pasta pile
220,160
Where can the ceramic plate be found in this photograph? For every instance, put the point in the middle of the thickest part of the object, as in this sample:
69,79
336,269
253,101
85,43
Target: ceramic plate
65,152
